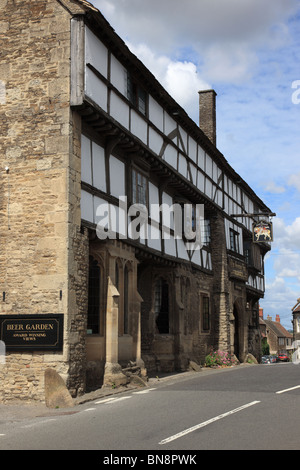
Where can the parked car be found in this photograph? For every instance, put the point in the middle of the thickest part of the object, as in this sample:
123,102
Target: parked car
274,358
283,357
266,360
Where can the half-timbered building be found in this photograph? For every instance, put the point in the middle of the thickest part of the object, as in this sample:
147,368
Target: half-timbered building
110,156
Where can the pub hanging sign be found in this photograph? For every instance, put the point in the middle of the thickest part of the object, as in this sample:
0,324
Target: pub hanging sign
262,231
32,332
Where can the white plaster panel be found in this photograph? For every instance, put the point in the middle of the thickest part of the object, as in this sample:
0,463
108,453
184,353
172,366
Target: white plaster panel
95,89
192,149
170,246
102,212
119,110
182,140
154,202
208,188
86,206
154,238
155,141
182,165
86,161
181,250
99,175
170,156
170,124
201,158
95,52
196,258
156,113
118,75
200,182
208,166
138,126
193,169
117,177
167,213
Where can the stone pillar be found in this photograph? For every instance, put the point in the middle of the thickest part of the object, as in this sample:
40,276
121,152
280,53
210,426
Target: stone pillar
113,374
221,283
139,361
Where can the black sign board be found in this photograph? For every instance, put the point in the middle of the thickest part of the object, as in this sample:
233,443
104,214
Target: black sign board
32,332
262,231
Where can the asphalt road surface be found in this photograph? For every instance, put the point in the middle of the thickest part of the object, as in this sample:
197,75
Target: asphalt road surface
242,408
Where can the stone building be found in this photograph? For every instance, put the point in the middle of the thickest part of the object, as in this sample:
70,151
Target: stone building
95,156
296,321
276,336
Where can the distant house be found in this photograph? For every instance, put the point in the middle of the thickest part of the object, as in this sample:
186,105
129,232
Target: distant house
278,338
296,320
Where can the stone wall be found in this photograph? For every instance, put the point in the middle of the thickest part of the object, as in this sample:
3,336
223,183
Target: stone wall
43,250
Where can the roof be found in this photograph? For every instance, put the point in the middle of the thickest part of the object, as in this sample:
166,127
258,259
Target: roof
109,35
278,329
296,307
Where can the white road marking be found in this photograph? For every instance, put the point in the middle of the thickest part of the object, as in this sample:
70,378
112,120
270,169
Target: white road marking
36,423
288,389
109,400
206,423
144,391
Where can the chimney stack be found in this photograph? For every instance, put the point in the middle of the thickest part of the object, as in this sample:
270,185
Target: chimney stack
207,114
277,318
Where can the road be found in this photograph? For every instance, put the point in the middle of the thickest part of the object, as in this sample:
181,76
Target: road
242,408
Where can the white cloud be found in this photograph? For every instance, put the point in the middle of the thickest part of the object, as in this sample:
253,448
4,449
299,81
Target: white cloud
180,78
294,180
229,62
272,187
223,33
280,297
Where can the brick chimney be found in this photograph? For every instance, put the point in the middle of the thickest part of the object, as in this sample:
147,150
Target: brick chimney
207,113
277,318
261,313
269,318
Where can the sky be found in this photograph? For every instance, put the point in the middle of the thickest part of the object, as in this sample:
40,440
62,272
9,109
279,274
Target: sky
248,51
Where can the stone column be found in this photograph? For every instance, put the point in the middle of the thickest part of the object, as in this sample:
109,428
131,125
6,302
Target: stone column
113,374
139,360
221,283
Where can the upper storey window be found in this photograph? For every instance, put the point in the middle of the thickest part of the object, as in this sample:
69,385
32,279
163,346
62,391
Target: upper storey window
136,94
234,240
139,188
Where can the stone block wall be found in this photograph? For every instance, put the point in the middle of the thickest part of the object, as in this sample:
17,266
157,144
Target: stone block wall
42,248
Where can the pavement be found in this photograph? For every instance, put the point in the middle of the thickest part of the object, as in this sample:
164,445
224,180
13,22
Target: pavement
20,410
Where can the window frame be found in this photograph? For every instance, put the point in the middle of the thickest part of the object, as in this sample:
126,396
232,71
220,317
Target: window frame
234,240
205,313
136,94
135,187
